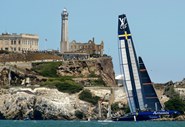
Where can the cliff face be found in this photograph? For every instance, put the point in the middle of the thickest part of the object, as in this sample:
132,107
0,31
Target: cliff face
41,103
92,68
44,103
83,71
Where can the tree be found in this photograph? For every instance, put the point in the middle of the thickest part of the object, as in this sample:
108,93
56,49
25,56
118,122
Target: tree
175,104
86,95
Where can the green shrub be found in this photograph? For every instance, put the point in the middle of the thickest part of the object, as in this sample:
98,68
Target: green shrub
95,55
69,86
98,82
79,114
92,75
127,109
51,84
175,104
48,69
86,95
115,107
63,84
62,78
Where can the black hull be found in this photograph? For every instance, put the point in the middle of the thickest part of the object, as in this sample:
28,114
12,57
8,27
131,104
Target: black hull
146,115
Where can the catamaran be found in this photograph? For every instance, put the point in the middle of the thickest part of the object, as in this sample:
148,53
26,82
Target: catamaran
142,98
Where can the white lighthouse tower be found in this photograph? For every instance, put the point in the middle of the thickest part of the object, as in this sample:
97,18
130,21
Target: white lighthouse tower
64,44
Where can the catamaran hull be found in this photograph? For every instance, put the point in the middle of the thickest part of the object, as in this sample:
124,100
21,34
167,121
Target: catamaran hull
146,115
138,118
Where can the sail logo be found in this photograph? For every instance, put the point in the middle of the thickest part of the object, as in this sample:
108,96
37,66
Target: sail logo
123,25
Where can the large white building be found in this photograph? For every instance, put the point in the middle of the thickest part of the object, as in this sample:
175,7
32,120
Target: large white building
19,42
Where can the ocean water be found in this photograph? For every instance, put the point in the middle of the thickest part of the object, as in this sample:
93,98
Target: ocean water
58,123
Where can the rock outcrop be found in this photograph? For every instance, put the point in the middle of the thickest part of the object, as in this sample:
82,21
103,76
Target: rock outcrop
83,71
45,103
40,103
99,67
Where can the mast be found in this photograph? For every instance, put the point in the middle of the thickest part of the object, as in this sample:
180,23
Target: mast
129,66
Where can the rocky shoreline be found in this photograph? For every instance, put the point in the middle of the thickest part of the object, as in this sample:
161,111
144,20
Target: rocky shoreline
22,97
44,103
40,103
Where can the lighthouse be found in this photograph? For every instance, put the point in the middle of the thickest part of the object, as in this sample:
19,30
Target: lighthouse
64,44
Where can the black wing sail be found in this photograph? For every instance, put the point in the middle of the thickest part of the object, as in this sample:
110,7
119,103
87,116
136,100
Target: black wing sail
150,96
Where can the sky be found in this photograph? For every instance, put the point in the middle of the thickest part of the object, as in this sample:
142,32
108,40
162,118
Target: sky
157,27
